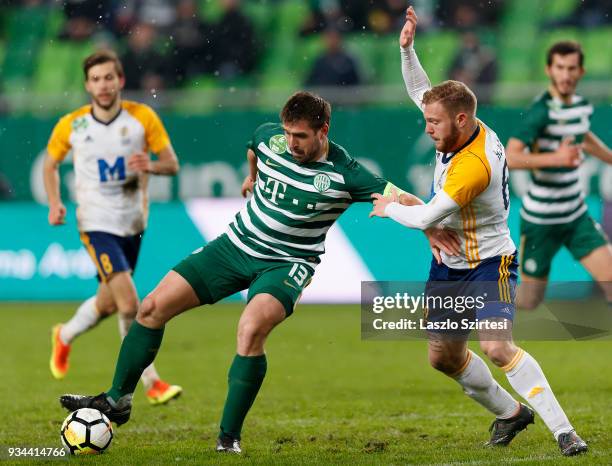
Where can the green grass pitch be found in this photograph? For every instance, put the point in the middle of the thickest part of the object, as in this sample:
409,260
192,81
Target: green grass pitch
328,398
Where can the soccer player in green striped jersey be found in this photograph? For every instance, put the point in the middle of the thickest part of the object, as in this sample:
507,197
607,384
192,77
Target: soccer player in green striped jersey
301,182
550,142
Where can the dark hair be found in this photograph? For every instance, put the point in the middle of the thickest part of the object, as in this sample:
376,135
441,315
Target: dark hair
454,96
306,106
99,57
565,47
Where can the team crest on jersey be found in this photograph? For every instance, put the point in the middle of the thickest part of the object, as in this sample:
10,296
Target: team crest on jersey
124,139
278,144
80,124
322,182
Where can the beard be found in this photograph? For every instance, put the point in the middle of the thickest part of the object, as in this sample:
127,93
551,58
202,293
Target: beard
449,143
309,156
570,86
106,106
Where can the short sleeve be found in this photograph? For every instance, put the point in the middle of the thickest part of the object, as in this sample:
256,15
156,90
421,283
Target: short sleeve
263,129
362,183
466,179
250,144
532,124
59,142
156,135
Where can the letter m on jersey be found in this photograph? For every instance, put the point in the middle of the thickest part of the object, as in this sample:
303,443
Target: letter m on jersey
112,172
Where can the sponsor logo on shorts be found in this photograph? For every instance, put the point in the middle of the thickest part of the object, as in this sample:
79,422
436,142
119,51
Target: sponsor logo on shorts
530,265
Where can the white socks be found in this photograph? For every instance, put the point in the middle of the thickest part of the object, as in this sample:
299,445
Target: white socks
149,375
85,318
478,383
526,377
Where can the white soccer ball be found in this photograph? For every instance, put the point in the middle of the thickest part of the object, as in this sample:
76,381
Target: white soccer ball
86,431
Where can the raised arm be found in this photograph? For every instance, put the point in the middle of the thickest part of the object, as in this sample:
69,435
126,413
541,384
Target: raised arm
415,78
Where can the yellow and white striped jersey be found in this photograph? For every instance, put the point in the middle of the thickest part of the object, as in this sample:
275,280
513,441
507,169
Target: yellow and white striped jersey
476,178
110,197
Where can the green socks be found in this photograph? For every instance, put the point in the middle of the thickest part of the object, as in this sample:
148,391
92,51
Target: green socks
245,378
138,350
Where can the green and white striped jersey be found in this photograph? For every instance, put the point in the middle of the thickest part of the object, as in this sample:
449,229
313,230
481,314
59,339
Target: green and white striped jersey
554,194
294,205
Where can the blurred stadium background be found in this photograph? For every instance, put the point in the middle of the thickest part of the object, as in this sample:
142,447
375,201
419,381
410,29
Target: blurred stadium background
216,69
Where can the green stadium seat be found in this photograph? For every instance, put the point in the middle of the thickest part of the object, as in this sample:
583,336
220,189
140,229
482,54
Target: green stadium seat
51,75
55,21
436,52
388,63
260,13
197,96
558,9
77,53
365,48
210,10
276,74
307,51
59,68
598,61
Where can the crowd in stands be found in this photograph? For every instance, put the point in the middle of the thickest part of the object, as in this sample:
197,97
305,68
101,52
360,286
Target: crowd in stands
473,64
164,43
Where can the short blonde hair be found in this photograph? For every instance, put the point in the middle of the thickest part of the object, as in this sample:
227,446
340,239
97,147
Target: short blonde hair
454,96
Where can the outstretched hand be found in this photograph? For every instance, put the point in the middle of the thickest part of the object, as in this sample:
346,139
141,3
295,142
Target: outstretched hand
406,37
380,202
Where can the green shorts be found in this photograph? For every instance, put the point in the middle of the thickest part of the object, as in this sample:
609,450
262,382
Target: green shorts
540,243
220,269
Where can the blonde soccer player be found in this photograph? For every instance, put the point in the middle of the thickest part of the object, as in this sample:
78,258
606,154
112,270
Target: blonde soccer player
470,197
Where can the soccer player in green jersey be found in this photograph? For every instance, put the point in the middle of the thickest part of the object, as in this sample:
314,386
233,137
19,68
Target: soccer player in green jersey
301,182
550,142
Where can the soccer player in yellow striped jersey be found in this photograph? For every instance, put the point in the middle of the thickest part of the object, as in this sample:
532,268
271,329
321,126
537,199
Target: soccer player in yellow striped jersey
470,196
110,140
